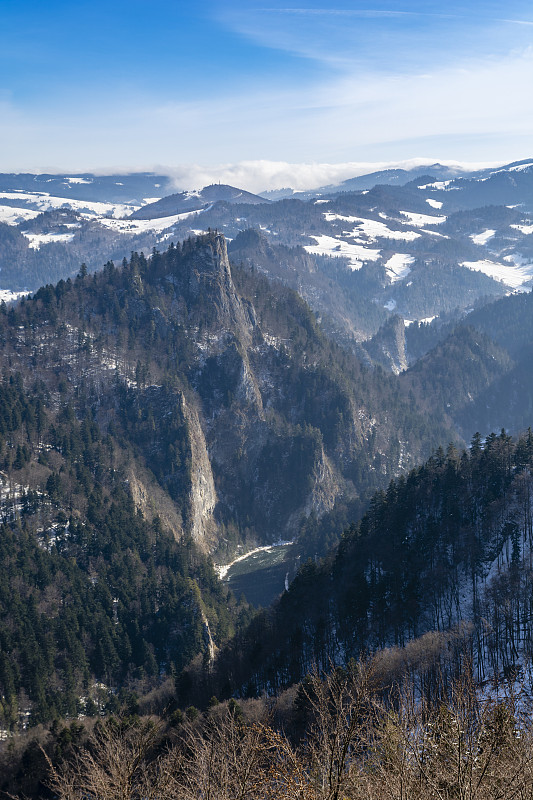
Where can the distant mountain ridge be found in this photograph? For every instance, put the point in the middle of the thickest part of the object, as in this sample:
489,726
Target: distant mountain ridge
130,188
385,177
183,202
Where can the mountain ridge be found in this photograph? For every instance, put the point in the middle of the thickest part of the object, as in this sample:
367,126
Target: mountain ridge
185,202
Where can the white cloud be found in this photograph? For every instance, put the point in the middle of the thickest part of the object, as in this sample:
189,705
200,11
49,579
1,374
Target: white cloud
257,176
261,175
517,21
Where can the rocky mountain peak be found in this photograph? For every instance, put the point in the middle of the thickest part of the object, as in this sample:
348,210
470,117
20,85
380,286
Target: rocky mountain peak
205,281
387,347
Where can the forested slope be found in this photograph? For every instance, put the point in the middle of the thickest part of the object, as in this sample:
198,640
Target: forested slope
449,542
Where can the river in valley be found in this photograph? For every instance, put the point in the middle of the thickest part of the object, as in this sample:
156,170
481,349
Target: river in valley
262,574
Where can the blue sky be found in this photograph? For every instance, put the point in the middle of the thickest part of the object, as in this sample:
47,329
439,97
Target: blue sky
278,89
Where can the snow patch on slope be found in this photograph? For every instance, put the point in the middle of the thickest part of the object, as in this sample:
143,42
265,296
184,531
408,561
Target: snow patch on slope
482,238
37,239
134,226
398,266
525,229
442,186
356,253
372,229
42,201
513,276
420,220
79,180
12,216
426,320
7,296
517,168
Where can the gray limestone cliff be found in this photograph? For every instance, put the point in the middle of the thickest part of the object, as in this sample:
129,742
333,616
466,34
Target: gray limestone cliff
387,347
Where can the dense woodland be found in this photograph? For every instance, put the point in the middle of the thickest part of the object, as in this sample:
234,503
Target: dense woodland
92,595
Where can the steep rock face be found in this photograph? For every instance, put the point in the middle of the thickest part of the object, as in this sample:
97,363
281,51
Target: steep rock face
202,495
387,347
151,500
326,488
205,300
204,280
267,474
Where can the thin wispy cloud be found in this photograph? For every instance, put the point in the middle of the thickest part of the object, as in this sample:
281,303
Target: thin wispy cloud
356,12
382,39
516,21
384,13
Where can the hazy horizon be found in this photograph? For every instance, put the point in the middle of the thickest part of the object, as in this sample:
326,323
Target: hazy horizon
264,176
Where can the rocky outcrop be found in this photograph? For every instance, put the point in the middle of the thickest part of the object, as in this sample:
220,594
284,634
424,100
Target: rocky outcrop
151,500
203,279
202,494
327,485
387,347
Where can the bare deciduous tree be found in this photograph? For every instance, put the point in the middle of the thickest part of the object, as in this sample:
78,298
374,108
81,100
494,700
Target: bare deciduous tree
225,759
119,762
357,746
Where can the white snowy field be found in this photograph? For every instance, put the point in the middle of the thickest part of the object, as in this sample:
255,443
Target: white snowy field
527,230
372,229
482,238
513,275
7,296
398,266
37,239
134,226
356,253
421,220
41,201
11,215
